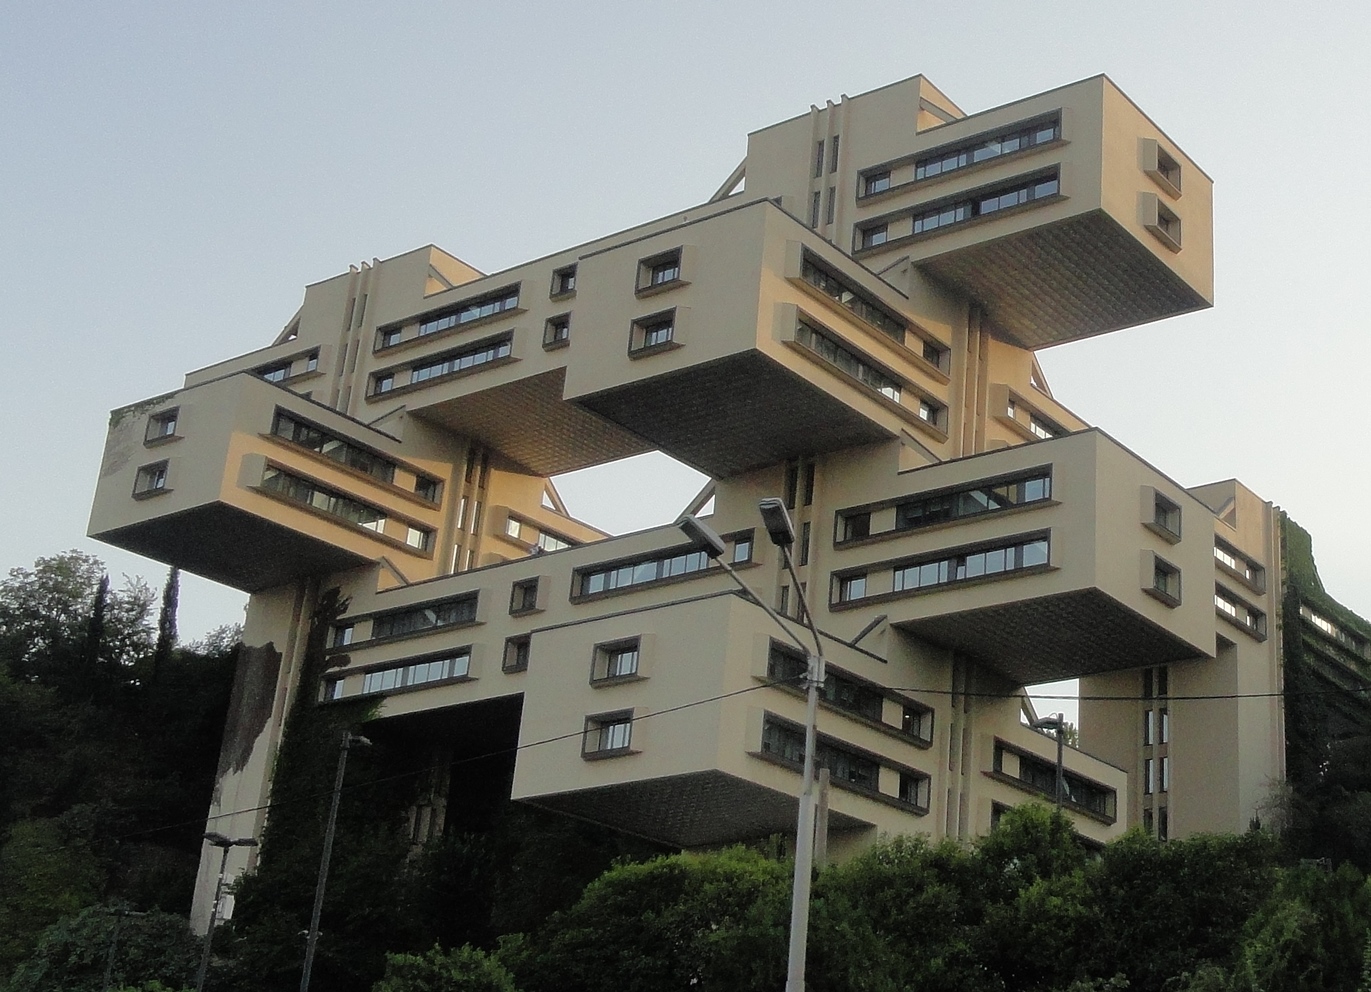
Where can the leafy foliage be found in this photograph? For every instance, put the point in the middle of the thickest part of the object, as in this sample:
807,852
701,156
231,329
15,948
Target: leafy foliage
71,956
466,969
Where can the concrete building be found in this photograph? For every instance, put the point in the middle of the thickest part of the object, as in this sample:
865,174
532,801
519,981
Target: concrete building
849,323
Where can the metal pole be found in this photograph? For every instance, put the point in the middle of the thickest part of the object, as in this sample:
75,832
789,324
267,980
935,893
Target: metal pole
313,937
213,918
804,828
821,821
1061,776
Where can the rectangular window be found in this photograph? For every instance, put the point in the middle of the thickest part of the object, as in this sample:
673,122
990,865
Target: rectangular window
517,650
833,155
1147,822
523,596
1240,565
1241,612
1149,776
810,471
389,337
832,204
977,150
312,362
1147,683
467,311
1166,581
815,205
162,425
461,360
917,723
792,483
432,616
742,549
150,479
437,669
804,543
608,734
1166,773
855,525
618,660
1163,824
333,689
914,789
1149,721
557,331
1162,681
313,438
548,541
665,270
275,373
1164,726
420,538
846,293
342,635
384,383
309,493
818,159
961,566
564,281
827,347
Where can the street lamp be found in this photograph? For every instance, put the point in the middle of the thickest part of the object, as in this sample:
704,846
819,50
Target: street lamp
1057,722
312,935
225,845
782,533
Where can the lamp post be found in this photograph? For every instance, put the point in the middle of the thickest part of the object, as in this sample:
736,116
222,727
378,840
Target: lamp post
782,534
312,935
225,845
1057,722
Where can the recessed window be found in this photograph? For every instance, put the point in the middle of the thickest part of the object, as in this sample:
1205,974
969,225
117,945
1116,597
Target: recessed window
870,237
660,272
517,650
312,362
828,346
1166,582
419,538
914,789
1169,223
618,660
1149,728
477,308
815,205
952,567
460,360
980,150
1166,515
851,587
564,281
456,665
384,383
657,331
342,635
1169,168
832,204
426,487
557,331
162,425
846,293
330,445
876,182
818,159
389,337
309,493
833,155
524,596
959,211
275,373
742,549
150,479
608,734
936,354
855,525
667,270
333,689
416,620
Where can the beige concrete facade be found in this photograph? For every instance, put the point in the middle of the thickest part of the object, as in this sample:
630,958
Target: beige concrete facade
852,331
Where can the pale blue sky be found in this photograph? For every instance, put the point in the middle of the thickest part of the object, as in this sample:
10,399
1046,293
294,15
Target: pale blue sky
173,174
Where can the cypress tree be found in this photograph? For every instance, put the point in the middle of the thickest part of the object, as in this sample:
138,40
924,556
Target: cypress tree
166,622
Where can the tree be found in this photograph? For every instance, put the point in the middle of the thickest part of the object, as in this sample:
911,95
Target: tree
680,922
466,969
166,622
72,955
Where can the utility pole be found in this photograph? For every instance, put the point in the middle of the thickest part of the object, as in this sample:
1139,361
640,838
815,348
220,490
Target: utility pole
225,845
312,935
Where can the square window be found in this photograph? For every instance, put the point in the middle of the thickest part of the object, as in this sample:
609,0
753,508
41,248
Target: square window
851,587
617,660
162,425
150,479
342,635
513,528
657,331
660,272
427,488
1166,582
333,689
557,331
389,337
420,538
856,525
914,789
608,734
517,650
524,596
384,384
876,182
870,237
564,281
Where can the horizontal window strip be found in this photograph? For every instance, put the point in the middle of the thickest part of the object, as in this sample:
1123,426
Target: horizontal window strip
983,204
975,500
427,617
971,565
475,309
316,439
298,489
459,360
826,346
979,150
453,666
846,294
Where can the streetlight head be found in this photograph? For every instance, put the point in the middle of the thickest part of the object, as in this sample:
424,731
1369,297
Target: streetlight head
777,522
217,839
357,740
702,538
1053,722
245,842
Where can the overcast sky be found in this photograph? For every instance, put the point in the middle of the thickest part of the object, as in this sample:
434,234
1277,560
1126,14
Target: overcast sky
173,174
